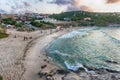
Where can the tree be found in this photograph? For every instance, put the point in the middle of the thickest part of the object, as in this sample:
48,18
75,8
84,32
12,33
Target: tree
36,24
18,24
9,21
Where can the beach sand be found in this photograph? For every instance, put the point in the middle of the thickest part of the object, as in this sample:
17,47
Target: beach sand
22,59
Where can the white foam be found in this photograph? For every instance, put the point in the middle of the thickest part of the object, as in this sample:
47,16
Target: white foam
58,52
73,67
74,33
92,72
88,29
80,32
77,66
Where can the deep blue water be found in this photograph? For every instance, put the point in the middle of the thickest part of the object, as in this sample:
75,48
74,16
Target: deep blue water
92,47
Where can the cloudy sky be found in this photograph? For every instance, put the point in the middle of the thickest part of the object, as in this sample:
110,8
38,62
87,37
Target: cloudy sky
57,6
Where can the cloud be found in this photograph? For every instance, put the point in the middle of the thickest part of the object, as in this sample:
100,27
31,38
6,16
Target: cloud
73,5
26,4
112,1
61,2
86,8
18,6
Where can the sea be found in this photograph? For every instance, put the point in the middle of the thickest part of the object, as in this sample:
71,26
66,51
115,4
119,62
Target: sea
93,47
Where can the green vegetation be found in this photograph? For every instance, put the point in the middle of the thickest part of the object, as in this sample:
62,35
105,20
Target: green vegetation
3,33
1,77
97,19
12,22
9,21
42,24
19,24
35,22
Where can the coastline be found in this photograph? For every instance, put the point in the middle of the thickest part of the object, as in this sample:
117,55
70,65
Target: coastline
39,59
27,60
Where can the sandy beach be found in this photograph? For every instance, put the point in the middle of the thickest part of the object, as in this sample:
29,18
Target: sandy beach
22,59
26,59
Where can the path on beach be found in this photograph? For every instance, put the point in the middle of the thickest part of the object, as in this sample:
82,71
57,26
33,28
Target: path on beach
36,56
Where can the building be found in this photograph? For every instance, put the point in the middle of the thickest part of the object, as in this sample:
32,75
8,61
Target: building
67,19
3,16
49,20
87,19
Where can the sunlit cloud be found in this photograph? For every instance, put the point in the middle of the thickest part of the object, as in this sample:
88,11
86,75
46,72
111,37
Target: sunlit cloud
90,5
112,1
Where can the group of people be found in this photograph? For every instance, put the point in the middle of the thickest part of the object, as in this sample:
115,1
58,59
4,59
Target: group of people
27,38
24,38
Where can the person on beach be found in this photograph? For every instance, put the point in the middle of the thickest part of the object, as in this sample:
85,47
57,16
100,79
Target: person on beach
41,32
25,38
50,31
15,36
30,37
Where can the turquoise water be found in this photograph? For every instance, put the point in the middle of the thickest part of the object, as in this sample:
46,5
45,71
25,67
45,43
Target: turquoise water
91,47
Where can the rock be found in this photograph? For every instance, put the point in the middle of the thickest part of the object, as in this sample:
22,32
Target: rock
69,78
113,77
101,71
41,74
112,71
114,62
49,74
42,67
62,72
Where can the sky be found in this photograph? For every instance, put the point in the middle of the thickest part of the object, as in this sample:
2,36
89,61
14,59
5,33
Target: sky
57,6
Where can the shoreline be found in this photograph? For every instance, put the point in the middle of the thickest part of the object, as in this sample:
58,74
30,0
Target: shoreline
43,60
27,60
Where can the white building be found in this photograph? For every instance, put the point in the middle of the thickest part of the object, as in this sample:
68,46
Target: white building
49,20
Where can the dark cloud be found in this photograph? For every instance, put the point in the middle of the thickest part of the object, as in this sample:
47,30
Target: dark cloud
72,5
112,1
76,8
26,4
73,8
62,2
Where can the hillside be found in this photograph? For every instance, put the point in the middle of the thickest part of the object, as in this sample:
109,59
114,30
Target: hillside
89,18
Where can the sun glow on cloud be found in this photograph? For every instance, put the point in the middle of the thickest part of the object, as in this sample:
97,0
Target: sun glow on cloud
98,5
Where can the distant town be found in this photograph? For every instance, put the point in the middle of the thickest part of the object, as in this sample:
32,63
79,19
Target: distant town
33,21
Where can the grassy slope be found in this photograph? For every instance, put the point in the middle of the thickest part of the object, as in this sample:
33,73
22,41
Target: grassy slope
3,35
1,78
97,18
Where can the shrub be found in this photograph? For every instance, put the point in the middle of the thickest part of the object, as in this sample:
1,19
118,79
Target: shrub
1,77
3,35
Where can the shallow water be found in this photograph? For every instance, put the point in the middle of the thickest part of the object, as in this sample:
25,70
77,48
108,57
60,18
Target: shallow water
91,47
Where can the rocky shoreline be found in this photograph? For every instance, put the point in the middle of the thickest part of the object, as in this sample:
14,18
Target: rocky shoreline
100,74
